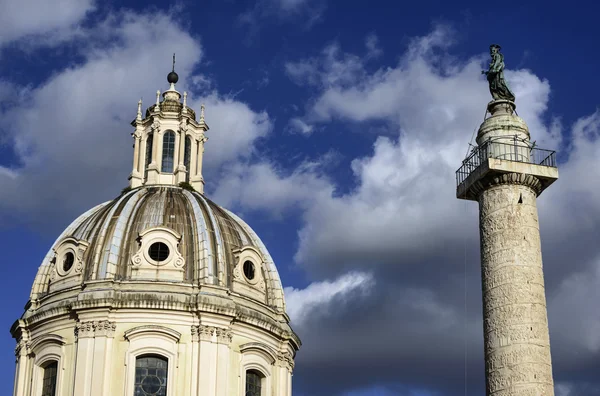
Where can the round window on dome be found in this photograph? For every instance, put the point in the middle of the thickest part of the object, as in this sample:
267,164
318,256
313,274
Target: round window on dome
68,260
249,270
158,251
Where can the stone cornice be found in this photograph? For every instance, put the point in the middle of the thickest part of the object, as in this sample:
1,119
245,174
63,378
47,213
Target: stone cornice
182,302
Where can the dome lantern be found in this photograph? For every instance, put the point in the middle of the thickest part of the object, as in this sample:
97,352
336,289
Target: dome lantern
168,141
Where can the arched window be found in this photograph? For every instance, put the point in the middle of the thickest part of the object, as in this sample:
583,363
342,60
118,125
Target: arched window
168,152
150,376
149,141
186,157
49,381
253,383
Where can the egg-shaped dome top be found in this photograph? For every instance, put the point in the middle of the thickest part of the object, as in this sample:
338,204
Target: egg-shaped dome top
163,234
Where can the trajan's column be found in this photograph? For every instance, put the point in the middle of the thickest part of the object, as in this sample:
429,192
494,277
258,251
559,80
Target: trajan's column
505,173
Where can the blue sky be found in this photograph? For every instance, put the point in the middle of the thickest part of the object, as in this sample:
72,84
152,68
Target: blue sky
336,128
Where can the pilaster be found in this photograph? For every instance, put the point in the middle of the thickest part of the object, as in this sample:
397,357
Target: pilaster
94,353
224,337
154,166
22,370
136,177
195,356
207,374
180,169
197,180
285,366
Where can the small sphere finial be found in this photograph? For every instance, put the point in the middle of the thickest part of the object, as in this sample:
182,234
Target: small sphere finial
172,77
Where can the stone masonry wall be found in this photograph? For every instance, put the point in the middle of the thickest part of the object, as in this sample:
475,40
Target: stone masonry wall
517,344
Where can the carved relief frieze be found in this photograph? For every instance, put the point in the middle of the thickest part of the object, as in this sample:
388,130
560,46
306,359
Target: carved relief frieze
517,345
95,328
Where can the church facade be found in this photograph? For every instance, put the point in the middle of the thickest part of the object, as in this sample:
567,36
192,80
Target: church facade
160,291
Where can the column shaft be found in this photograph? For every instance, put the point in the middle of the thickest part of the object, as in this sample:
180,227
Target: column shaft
517,344
136,154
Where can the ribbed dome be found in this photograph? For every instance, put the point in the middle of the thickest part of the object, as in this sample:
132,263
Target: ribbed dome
208,244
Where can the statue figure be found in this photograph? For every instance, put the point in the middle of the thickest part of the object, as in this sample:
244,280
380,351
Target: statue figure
495,76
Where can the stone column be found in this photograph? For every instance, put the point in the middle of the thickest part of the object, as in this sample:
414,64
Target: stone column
284,367
85,355
142,157
136,153
200,158
516,340
180,167
196,180
193,159
194,363
224,337
103,343
154,166
21,371
136,179
207,371
517,344
158,148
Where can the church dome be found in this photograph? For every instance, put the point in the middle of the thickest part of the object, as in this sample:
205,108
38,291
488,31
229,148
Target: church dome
201,242
159,291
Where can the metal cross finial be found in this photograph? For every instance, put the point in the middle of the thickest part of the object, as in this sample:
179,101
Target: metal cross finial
173,61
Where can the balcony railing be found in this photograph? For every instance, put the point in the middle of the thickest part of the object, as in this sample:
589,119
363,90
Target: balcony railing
519,151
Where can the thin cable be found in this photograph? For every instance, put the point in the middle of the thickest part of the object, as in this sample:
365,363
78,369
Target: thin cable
466,321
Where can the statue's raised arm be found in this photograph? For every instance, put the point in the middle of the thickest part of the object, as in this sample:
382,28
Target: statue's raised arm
495,75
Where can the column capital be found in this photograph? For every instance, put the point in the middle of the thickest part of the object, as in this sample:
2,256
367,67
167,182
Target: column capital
95,328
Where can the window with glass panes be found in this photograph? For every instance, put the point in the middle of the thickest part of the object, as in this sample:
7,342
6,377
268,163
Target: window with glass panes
253,383
186,157
168,152
149,141
49,381
150,376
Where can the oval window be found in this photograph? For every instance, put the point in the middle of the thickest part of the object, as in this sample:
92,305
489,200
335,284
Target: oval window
68,261
249,270
158,251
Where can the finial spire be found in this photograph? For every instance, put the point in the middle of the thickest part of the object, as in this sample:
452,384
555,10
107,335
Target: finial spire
184,100
139,110
172,77
202,113
158,100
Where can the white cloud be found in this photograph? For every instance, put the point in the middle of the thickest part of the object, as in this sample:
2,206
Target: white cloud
298,125
28,18
261,186
373,48
301,303
404,214
71,134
